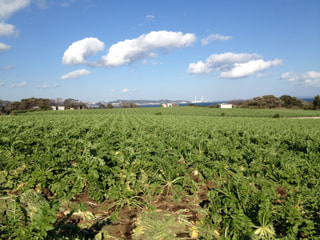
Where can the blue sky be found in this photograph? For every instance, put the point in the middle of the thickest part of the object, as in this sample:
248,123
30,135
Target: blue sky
94,50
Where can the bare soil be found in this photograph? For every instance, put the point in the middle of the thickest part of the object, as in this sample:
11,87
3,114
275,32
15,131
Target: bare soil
125,224
304,117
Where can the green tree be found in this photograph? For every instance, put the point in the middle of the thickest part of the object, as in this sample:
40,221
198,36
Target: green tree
13,106
110,106
291,102
316,102
73,103
128,105
267,101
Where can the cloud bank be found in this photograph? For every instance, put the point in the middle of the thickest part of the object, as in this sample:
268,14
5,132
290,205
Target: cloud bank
231,65
127,51
76,74
214,37
311,78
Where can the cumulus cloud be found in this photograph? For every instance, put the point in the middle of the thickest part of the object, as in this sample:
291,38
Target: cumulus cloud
7,30
231,65
245,69
79,51
4,47
18,85
8,7
214,37
132,50
127,51
76,74
311,78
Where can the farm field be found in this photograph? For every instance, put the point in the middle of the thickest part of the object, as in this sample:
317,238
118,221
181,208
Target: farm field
160,173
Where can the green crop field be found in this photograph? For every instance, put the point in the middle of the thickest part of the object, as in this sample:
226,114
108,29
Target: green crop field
160,173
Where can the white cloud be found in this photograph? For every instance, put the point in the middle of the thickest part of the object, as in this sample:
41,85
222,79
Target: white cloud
214,37
245,69
233,65
76,74
132,50
7,68
79,51
126,90
262,75
46,85
18,85
311,78
2,84
42,4
8,7
66,3
149,17
4,47
7,30
126,51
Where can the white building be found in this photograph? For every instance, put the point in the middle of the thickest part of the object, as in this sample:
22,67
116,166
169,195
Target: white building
58,108
224,105
166,104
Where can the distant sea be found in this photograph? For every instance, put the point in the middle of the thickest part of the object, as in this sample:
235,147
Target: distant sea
207,104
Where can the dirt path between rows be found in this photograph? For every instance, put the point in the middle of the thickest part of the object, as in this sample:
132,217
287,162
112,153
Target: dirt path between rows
304,117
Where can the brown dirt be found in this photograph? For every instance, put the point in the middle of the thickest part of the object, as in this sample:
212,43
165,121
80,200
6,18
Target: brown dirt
304,117
281,192
124,226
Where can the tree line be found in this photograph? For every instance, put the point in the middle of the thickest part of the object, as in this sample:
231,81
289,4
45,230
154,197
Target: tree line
285,101
267,102
38,104
45,104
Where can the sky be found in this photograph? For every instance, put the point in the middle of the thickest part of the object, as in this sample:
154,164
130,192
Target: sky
104,50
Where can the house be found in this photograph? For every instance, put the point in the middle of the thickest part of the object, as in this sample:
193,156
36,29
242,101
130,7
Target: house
166,104
57,107
224,105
